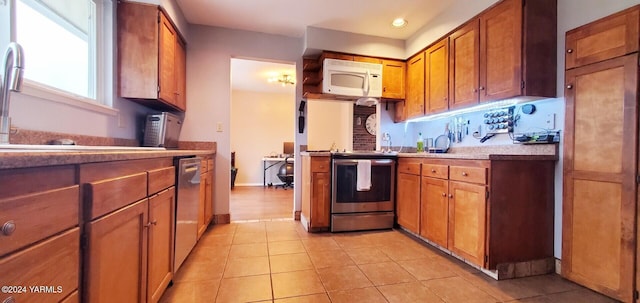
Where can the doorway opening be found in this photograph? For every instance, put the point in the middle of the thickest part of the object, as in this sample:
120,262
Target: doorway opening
262,133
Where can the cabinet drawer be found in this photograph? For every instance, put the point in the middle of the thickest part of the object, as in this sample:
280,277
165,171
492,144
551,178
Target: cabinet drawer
37,216
52,263
162,178
435,170
72,298
320,164
468,174
108,195
409,166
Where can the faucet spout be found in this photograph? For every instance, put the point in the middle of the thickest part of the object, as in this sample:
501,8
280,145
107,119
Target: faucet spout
11,81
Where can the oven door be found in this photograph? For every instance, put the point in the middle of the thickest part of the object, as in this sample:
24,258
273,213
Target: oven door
346,198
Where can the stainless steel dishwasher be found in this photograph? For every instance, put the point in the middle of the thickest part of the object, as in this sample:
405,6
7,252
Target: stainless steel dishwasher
187,198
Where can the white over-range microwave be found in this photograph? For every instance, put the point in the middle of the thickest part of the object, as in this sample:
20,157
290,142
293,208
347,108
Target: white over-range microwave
351,78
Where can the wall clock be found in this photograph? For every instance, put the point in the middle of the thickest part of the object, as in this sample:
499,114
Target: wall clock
370,124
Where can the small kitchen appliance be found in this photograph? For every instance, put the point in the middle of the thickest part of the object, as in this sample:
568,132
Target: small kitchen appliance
162,130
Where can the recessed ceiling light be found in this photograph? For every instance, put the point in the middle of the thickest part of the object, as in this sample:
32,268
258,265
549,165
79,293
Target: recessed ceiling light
399,22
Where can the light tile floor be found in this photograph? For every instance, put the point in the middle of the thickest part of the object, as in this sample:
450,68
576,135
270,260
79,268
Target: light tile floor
277,261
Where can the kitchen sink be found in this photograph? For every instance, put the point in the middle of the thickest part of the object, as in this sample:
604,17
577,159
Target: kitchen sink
71,148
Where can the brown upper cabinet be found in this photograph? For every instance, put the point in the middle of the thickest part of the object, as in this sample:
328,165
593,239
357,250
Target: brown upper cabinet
614,36
414,102
393,72
507,51
151,57
436,77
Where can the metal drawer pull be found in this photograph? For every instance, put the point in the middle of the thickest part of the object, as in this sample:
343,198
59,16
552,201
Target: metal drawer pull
569,86
570,51
433,170
464,173
8,228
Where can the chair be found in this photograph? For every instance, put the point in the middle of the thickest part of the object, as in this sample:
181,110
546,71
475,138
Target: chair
285,174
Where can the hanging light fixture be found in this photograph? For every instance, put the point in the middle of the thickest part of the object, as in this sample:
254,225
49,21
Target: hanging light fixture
284,79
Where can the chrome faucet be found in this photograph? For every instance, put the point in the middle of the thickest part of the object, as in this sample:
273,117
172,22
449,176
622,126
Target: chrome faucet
11,80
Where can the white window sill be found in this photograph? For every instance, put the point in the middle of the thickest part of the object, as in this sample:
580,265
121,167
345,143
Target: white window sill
34,89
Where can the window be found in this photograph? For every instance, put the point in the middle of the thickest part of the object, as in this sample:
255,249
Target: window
63,46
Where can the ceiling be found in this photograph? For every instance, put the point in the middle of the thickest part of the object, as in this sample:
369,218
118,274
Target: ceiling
292,17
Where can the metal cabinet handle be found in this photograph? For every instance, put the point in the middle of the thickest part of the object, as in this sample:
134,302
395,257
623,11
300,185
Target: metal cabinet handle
9,300
464,173
154,222
569,50
8,228
444,194
569,86
475,90
433,170
481,87
450,196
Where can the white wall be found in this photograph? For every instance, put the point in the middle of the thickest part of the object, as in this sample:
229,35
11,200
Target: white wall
209,56
330,122
260,123
318,39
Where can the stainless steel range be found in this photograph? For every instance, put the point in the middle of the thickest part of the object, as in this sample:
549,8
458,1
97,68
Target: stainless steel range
363,190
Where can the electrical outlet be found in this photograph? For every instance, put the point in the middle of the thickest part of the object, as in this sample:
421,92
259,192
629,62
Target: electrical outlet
121,121
550,121
219,127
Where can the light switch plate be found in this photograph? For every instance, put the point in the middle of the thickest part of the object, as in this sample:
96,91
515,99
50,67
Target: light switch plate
550,121
219,127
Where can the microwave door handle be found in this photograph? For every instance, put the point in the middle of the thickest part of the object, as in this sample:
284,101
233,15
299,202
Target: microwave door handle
366,84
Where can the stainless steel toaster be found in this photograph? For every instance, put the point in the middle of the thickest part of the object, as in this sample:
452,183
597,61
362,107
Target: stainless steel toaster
162,130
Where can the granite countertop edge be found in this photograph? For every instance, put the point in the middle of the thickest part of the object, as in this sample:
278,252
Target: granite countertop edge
24,159
480,156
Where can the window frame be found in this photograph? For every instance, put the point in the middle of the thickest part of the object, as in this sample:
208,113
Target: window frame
103,43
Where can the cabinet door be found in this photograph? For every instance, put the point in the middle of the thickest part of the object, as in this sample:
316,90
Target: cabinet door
408,202
436,79
116,259
434,213
415,87
181,76
501,51
464,65
167,53
208,206
467,221
393,79
610,37
201,205
599,207
320,200
161,236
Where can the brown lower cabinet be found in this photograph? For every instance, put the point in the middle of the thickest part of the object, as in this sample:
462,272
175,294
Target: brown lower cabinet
316,193
491,213
205,206
130,215
39,233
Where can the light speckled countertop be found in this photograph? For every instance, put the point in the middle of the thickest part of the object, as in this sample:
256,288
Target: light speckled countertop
21,158
496,152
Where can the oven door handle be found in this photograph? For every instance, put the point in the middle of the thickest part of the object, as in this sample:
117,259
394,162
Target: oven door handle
379,162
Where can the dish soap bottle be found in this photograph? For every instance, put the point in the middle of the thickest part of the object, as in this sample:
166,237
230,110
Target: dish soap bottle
420,143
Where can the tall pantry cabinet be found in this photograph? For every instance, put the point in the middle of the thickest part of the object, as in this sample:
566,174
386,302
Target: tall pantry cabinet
599,232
